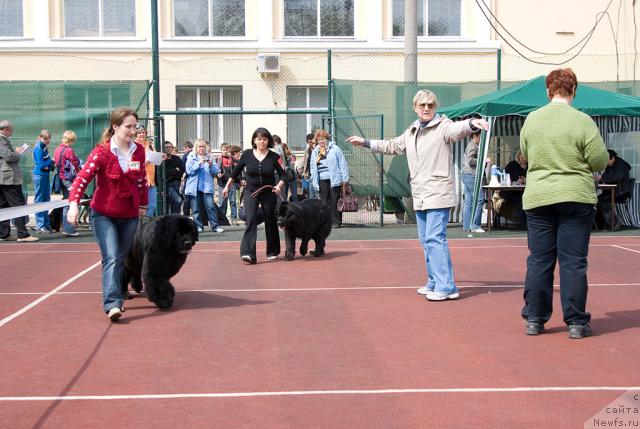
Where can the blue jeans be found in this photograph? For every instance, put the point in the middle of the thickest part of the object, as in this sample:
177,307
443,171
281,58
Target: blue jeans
293,185
114,236
468,182
558,232
42,190
432,233
209,206
67,227
153,201
174,199
232,201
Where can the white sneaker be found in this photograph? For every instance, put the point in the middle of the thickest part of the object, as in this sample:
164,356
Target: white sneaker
114,314
423,290
218,230
71,234
441,296
272,257
478,230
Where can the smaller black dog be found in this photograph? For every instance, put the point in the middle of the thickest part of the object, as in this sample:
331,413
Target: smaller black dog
159,249
308,219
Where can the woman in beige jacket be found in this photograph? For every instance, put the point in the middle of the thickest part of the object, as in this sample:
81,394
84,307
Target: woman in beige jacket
428,145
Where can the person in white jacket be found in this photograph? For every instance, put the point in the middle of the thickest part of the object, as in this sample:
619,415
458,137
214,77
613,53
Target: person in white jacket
428,145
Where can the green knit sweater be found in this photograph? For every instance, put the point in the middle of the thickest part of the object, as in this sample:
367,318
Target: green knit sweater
563,148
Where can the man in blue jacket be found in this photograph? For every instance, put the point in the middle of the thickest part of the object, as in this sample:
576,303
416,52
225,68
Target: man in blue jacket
41,185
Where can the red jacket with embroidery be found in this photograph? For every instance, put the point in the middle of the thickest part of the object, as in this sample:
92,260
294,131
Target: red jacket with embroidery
117,194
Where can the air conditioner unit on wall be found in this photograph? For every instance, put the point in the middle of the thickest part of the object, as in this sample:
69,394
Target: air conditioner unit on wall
269,63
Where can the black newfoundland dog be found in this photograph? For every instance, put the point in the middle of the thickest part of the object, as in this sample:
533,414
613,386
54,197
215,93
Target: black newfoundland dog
308,219
159,249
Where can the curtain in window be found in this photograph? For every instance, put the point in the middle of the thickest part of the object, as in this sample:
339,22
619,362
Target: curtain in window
81,18
119,18
11,18
191,17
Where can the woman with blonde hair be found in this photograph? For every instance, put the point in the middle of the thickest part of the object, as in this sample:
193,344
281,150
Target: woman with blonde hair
119,199
200,169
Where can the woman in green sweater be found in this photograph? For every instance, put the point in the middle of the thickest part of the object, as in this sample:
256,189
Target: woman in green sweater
563,148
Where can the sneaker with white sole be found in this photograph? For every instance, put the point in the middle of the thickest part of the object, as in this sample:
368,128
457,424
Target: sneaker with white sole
70,234
114,314
272,257
423,290
28,238
441,296
248,259
218,230
478,230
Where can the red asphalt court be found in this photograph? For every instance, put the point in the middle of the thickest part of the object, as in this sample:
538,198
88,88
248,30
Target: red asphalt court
341,341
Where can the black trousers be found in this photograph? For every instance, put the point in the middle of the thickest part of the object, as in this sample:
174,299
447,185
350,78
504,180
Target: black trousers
558,232
265,202
330,196
12,196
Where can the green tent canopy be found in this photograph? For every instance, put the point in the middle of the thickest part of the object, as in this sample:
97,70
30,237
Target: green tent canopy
525,97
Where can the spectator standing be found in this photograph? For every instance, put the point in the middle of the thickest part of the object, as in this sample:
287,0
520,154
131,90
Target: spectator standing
119,199
187,147
289,161
174,170
617,173
428,145
41,184
226,162
469,182
201,169
260,165
305,170
150,169
329,172
11,194
64,154
563,148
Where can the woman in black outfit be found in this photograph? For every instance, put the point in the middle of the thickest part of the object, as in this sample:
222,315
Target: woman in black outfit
260,165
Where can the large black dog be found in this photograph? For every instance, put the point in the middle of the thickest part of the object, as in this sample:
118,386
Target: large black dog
308,219
159,249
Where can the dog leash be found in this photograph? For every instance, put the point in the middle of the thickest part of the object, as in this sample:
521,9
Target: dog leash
255,193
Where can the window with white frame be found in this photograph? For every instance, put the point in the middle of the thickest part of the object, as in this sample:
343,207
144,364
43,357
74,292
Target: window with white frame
209,18
443,17
217,128
299,125
11,18
318,18
99,18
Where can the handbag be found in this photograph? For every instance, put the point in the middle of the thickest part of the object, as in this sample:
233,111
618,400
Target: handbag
289,175
56,184
347,201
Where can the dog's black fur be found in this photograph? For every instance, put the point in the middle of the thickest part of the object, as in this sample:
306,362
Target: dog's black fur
159,249
308,219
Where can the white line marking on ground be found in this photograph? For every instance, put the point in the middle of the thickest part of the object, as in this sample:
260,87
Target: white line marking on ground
322,393
626,248
365,288
47,295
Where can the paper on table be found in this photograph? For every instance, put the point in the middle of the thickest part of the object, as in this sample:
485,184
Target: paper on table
154,157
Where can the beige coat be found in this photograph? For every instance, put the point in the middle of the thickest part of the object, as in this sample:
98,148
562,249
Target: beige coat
430,158
10,171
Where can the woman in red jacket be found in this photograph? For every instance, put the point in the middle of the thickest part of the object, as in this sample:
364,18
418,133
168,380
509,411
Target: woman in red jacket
120,197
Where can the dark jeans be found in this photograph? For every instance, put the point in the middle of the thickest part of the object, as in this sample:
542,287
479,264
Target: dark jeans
268,200
558,232
173,197
330,196
12,196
